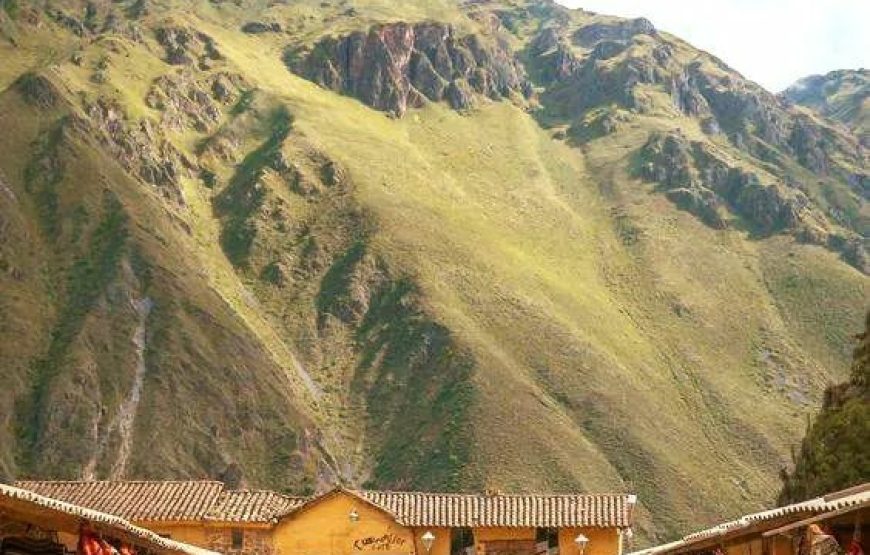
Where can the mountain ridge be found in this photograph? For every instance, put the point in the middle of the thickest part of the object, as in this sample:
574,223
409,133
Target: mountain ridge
447,299
841,95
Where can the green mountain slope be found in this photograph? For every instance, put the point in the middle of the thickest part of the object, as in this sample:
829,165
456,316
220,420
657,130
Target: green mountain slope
842,95
436,245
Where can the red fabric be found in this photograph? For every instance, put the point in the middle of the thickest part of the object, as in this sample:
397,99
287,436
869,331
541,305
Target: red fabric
855,548
89,544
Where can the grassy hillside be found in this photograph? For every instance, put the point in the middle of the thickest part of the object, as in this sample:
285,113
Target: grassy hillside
305,290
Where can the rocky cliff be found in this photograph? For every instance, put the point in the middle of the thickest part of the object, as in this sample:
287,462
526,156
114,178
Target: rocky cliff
396,66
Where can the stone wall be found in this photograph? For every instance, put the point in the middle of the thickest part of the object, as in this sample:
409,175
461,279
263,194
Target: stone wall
254,541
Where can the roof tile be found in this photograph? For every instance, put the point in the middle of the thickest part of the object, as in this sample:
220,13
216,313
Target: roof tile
508,510
209,501
260,506
139,501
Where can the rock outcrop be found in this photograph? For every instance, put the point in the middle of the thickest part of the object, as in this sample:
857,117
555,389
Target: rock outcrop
619,31
38,90
699,180
188,101
259,27
553,56
396,66
185,46
137,146
670,163
74,25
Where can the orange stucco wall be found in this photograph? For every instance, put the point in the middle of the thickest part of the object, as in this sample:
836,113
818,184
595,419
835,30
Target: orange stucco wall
602,541
325,528
442,541
192,533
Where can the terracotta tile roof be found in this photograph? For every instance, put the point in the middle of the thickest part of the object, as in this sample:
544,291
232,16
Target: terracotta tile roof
508,510
830,502
140,501
260,506
209,501
852,497
17,496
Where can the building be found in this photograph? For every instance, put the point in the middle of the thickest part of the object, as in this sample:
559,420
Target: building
827,524
201,513
348,522
33,523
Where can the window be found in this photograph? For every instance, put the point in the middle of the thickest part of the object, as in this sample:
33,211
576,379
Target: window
460,540
548,535
238,538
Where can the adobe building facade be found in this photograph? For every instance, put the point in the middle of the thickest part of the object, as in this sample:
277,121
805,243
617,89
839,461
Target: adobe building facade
344,522
359,522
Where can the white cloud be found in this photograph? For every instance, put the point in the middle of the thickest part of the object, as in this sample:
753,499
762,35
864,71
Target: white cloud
773,42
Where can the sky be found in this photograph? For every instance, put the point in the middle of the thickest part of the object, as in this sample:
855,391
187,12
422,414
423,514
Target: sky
772,42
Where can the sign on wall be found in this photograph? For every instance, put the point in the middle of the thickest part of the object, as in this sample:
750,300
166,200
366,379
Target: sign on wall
387,542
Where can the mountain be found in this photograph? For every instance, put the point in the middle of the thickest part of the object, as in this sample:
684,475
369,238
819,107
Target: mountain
842,95
428,244
834,455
